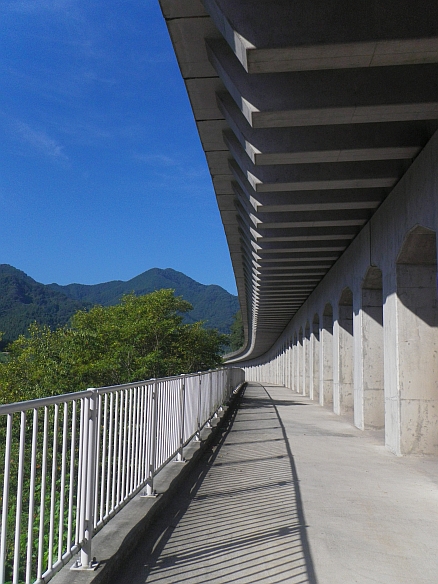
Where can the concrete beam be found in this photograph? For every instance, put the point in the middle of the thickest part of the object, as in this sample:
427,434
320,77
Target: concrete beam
277,178
347,96
296,145
331,35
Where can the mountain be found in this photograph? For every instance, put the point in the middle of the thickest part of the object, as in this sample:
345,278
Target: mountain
210,303
23,300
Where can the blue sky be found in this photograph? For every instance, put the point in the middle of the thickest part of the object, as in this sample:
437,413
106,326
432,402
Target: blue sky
102,175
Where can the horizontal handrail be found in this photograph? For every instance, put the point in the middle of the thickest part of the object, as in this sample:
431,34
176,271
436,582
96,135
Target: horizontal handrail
69,463
60,399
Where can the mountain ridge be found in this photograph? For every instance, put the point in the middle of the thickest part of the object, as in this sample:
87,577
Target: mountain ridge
24,300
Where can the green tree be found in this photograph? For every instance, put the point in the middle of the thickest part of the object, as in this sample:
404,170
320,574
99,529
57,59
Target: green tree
237,336
140,338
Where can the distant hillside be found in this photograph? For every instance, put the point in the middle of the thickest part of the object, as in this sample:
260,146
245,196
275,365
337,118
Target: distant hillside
23,300
210,303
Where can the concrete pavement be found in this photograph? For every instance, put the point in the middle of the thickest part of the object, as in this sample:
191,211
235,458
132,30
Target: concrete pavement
293,493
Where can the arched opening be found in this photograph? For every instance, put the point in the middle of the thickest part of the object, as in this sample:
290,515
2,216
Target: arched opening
343,362
412,401
369,402
326,357
314,344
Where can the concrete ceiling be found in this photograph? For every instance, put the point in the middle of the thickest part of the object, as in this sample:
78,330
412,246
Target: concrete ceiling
309,113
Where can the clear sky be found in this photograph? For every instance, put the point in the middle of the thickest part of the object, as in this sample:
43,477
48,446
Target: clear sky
102,175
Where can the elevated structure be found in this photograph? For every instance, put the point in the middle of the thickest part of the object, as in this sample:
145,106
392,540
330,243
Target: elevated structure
318,120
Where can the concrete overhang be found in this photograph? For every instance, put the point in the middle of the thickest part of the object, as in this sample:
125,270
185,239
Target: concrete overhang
309,115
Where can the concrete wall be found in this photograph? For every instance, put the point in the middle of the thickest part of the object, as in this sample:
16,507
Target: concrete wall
379,362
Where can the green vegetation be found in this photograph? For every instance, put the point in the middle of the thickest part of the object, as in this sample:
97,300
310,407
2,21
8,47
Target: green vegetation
211,304
140,338
24,301
237,336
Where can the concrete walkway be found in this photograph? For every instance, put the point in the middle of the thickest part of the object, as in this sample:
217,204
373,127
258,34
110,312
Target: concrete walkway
293,493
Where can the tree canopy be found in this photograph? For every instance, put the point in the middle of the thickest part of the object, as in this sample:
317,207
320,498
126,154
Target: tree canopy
237,336
140,338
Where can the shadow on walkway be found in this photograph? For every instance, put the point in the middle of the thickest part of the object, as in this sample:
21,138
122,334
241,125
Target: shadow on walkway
239,516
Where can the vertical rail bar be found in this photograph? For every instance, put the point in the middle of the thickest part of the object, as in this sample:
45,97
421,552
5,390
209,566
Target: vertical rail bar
115,457
152,441
128,446
19,499
63,478
91,458
72,472
53,489
82,477
103,482
110,442
198,416
139,446
30,522
5,498
144,433
43,495
182,409
97,465
78,535
119,454
136,449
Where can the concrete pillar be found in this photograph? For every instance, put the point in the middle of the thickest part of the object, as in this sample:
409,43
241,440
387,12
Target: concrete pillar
314,360
411,349
306,360
294,363
311,366
283,364
303,364
326,357
343,361
300,361
369,402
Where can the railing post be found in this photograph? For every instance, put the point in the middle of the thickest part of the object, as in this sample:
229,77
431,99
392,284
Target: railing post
198,420
89,457
180,456
152,444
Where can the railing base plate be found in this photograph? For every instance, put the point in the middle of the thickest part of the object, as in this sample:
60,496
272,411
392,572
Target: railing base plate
77,566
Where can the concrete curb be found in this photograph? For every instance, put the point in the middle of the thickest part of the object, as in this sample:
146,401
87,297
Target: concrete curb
118,538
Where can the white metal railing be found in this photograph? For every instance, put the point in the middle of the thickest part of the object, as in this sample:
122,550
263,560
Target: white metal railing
71,462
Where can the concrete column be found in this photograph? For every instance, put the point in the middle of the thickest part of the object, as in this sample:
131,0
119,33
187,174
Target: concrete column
369,402
411,349
283,364
294,364
306,363
289,363
314,361
326,358
311,366
299,361
343,362
303,364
